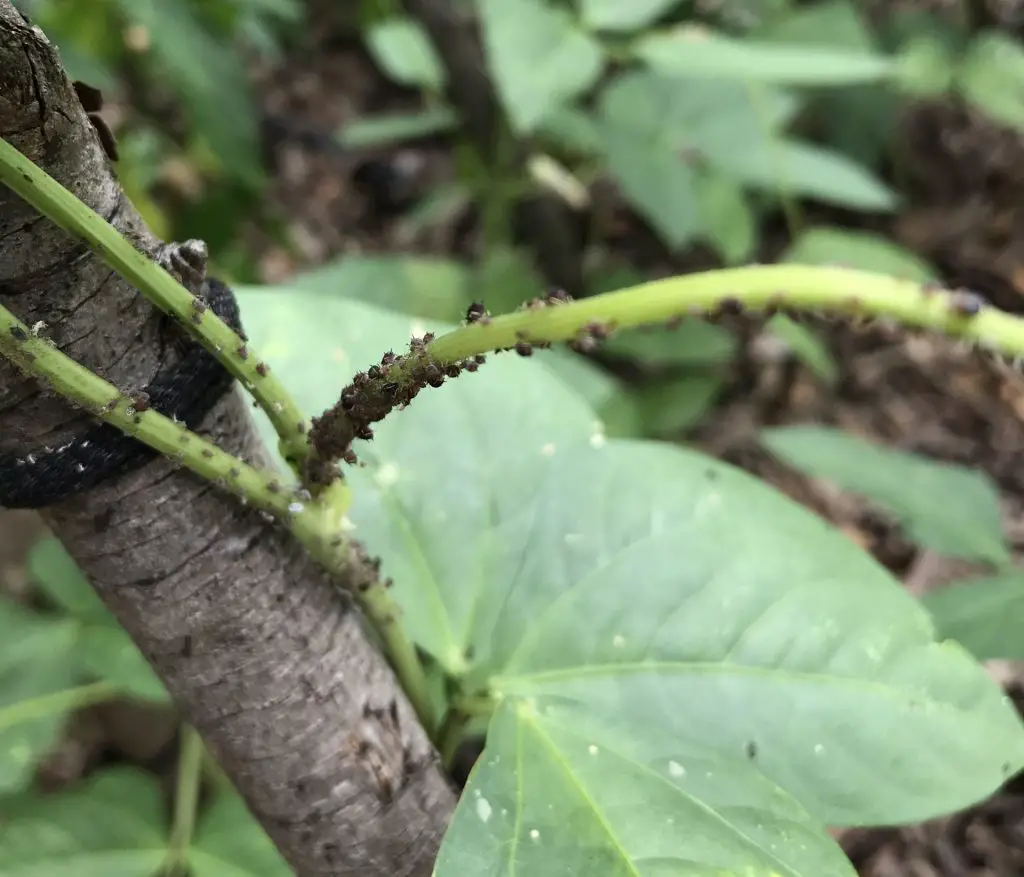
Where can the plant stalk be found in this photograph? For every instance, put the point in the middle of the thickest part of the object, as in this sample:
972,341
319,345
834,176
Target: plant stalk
62,207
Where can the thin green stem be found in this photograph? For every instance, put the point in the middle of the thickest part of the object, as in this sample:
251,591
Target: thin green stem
382,611
475,705
215,772
839,291
37,358
318,524
46,705
58,204
186,800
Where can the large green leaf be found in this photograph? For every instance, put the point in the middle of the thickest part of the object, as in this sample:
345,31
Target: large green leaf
736,129
615,15
694,343
103,649
112,826
229,841
655,180
951,509
735,661
421,286
650,123
688,50
538,57
986,615
824,245
672,406
36,659
433,469
663,628
704,115
552,794
803,169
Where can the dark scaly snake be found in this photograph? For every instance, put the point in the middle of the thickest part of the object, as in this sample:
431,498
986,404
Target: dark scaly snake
187,391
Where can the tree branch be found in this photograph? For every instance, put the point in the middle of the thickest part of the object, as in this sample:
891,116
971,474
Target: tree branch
264,657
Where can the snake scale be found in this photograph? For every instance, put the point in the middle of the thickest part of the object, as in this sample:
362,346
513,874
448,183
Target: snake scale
186,390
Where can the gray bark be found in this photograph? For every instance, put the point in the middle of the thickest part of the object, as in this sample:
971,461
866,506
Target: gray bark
262,654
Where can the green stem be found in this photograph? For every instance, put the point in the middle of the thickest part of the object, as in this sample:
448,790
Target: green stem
383,612
840,291
58,204
186,800
46,705
317,524
475,705
37,358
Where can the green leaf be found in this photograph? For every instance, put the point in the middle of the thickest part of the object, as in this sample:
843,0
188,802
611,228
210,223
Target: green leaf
615,404
441,205
548,797
806,170
735,129
651,126
985,615
991,77
447,465
807,347
825,245
573,129
538,58
672,407
694,343
706,116
649,604
831,23
56,574
104,648
656,181
951,509
614,15
675,643
111,826
505,279
853,119
729,223
229,840
210,76
926,67
37,659
404,52
421,286
386,130
690,50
